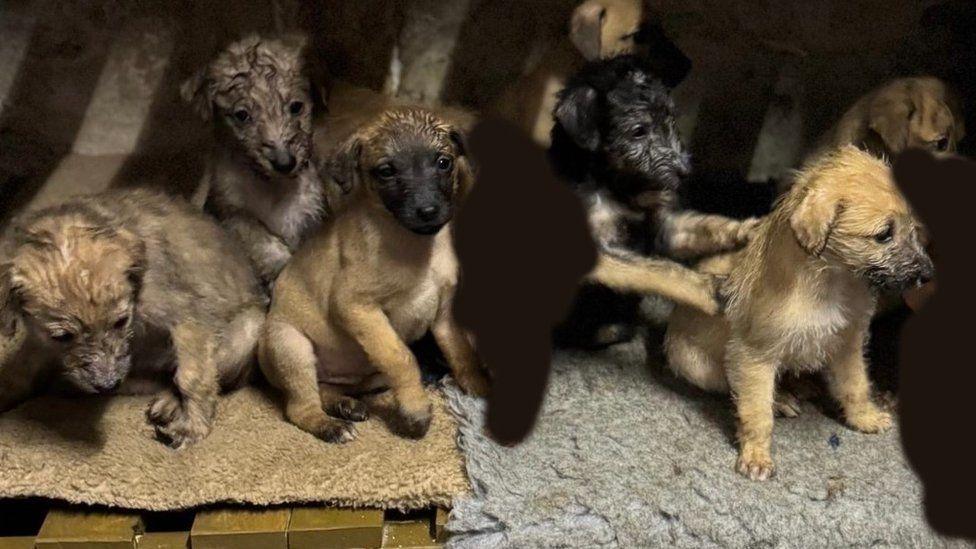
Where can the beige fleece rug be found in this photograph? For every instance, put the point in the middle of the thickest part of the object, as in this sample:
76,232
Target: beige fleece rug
101,451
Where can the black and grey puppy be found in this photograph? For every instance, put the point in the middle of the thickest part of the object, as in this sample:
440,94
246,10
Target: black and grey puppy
263,179
615,142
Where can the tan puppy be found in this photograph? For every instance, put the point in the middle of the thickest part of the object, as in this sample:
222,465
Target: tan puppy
128,291
907,112
372,281
801,296
598,28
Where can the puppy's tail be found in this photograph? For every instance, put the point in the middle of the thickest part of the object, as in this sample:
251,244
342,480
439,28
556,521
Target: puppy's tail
647,275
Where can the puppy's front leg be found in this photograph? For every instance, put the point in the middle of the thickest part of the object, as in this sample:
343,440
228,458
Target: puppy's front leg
848,380
184,416
753,384
647,275
369,326
692,234
460,354
288,360
267,252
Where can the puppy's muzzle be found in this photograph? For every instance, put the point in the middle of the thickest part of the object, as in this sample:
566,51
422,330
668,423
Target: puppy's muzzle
282,160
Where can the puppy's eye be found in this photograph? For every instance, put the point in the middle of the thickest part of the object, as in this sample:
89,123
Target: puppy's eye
886,235
639,131
942,144
385,171
63,337
121,322
296,108
242,115
444,163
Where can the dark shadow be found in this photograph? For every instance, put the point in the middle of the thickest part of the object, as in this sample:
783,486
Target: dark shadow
478,73
936,375
82,427
523,244
48,99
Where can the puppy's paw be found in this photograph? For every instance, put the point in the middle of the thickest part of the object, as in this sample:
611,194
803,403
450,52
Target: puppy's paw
747,229
411,423
334,430
474,383
348,408
755,462
183,429
870,419
786,404
163,408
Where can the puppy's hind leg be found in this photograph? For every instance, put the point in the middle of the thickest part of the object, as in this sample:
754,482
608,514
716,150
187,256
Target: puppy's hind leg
236,355
185,416
288,360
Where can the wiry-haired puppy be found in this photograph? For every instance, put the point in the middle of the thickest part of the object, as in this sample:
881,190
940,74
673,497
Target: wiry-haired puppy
129,291
801,297
616,143
263,182
371,281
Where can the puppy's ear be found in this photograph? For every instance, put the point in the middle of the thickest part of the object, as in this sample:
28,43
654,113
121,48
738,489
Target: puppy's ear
813,220
135,254
577,113
196,91
888,117
586,28
460,142
343,166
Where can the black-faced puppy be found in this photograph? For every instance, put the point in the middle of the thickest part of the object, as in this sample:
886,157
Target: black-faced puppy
372,280
262,177
801,297
129,291
615,142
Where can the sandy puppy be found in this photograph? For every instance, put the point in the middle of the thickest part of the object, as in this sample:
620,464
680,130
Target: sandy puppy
262,181
907,112
373,280
801,296
129,291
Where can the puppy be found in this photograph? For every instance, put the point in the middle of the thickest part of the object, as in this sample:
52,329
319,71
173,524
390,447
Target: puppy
597,29
907,112
262,179
615,142
801,296
133,292
371,281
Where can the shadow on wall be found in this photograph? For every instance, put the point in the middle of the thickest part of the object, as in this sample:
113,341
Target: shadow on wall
47,102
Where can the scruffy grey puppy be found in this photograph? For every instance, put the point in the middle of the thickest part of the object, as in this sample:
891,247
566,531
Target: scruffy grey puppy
128,291
263,182
616,143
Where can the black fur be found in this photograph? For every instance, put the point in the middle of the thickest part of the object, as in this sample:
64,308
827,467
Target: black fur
615,142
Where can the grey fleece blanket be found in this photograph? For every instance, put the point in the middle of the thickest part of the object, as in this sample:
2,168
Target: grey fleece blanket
625,455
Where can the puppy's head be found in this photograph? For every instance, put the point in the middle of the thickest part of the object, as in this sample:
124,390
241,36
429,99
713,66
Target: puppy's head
617,110
74,282
260,95
847,210
602,28
411,162
914,113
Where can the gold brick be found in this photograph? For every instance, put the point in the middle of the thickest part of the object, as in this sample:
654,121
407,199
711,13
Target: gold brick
88,530
412,534
315,527
241,529
163,540
17,542
440,525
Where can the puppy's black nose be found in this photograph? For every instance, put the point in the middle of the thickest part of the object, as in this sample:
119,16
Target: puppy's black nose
108,386
427,213
283,161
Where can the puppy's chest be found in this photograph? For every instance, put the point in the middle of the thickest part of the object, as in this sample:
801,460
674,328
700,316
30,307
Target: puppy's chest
813,328
414,308
288,209
615,225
